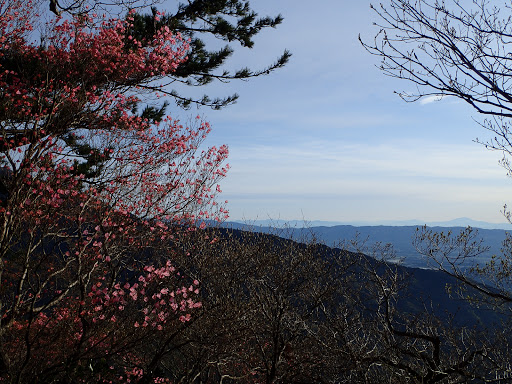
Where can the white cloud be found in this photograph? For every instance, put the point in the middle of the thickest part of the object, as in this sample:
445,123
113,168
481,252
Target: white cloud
432,98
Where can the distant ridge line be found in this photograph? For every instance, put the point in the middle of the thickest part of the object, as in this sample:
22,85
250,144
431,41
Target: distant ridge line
459,222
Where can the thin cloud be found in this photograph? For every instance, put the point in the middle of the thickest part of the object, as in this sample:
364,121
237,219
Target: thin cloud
432,98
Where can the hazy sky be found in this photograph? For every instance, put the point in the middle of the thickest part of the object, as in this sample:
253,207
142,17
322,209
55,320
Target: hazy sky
325,138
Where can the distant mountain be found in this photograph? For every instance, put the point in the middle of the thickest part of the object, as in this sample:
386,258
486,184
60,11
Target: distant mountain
459,222
400,236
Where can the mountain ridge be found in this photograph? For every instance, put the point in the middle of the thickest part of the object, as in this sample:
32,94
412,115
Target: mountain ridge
457,222
401,237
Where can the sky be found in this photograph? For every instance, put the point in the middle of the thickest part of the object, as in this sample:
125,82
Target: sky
325,138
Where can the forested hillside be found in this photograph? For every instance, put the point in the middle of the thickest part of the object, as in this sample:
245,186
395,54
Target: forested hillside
402,238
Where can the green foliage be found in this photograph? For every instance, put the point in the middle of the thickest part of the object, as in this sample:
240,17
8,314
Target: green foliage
226,20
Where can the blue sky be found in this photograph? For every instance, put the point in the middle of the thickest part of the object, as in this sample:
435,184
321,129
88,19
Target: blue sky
325,138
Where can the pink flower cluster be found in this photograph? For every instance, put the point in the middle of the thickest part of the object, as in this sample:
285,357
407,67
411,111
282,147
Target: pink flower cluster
152,298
